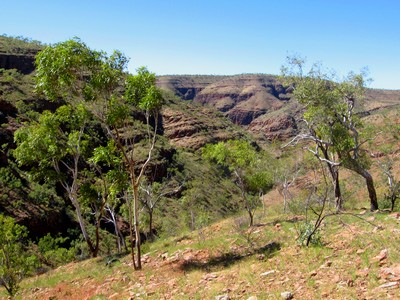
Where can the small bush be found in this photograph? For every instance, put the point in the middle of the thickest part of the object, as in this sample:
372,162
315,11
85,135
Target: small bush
305,230
15,260
53,252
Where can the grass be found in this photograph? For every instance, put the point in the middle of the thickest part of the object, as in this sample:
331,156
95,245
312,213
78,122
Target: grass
19,45
223,262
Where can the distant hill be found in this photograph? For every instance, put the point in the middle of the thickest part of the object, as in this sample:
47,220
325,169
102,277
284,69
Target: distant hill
259,103
18,53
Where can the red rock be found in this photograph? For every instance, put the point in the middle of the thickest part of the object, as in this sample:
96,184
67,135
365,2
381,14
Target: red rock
382,255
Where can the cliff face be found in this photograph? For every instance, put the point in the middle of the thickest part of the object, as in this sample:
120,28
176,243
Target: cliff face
259,103
18,53
187,87
251,101
193,126
24,63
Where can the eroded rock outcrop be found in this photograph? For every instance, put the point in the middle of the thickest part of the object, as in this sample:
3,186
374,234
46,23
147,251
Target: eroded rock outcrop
24,63
195,128
251,101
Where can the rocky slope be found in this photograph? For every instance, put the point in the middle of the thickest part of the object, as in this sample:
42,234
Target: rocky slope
251,101
192,126
258,103
23,62
18,53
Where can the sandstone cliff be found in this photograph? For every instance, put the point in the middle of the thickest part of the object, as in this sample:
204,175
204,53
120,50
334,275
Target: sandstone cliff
251,101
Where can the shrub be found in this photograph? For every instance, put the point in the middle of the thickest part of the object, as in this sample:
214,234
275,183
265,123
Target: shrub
53,252
305,230
15,261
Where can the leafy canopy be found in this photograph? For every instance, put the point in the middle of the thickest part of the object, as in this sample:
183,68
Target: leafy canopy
243,161
52,138
15,262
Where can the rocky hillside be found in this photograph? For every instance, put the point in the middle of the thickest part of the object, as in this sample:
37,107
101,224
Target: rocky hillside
259,103
247,100
18,54
191,126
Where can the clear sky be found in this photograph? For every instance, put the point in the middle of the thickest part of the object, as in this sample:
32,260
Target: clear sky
223,36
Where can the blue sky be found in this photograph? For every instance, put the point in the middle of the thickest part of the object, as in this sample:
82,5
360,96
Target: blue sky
223,37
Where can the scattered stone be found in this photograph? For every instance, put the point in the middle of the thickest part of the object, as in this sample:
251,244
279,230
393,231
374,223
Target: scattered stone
346,283
260,256
393,272
335,278
350,282
252,298
376,228
326,265
389,285
145,258
362,273
222,297
150,293
360,251
370,219
210,276
267,273
287,295
313,273
382,255
395,215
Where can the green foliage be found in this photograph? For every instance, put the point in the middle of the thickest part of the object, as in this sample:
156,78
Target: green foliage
232,154
141,90
246,167
9,179
331,122
61,69
15,261
44,194
327,101
305,230
53,252
206,196
259,181
52,138
19,45
244,162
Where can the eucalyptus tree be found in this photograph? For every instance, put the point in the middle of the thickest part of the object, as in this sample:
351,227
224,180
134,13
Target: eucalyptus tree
244,164
15,261
109,187
118,100
332,126
55,147
386,158
152,193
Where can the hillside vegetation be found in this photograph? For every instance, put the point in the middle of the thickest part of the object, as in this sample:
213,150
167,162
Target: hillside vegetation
94,159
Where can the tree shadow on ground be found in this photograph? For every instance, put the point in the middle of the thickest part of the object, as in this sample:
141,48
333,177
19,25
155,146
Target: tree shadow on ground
292,220
226,259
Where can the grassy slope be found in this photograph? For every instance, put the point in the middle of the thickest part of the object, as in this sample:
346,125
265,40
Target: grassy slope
19,45
220,260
